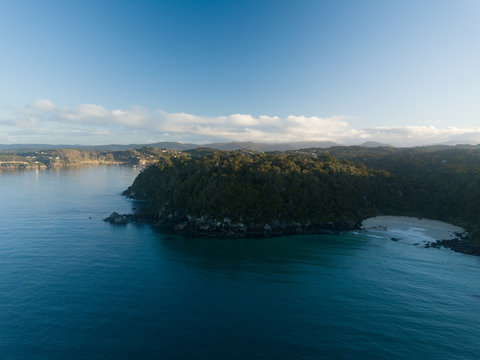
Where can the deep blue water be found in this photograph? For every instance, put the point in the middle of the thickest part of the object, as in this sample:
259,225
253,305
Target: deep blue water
75,287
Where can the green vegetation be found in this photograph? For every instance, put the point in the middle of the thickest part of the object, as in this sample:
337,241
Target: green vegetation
319,186
441,183
255,188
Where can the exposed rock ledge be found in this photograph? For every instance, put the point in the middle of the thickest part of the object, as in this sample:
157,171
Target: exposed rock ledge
117,219
459,244
209,227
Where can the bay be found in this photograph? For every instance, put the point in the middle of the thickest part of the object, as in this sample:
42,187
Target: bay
73,286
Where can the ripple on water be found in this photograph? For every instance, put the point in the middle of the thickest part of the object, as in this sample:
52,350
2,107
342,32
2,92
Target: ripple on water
73,286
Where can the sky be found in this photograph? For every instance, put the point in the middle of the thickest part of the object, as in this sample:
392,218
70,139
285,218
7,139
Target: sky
402,72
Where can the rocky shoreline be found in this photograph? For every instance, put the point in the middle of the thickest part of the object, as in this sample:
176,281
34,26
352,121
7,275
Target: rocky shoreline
208,227
118,219
459,244
212,228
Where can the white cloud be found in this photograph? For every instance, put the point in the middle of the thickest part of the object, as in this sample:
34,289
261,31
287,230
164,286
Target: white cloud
42,121
42,104
85,112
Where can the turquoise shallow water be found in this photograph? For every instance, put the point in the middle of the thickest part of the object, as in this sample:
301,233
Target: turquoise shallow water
74,287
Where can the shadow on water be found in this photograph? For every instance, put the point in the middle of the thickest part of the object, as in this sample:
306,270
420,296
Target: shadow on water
286,254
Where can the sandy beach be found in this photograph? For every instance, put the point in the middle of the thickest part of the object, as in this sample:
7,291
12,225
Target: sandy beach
410,229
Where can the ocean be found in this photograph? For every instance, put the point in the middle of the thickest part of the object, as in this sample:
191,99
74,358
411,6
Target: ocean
75,287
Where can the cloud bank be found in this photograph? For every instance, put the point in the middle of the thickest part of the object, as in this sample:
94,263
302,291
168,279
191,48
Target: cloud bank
43,122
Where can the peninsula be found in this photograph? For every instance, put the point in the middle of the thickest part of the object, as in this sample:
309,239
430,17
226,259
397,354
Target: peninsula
246,193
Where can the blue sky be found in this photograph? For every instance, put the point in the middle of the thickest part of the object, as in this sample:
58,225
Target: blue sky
96,72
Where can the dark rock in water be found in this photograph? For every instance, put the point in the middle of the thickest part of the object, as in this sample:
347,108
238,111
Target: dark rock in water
394,239
117,219
459,244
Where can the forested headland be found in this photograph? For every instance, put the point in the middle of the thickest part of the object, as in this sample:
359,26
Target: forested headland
241,193
211,192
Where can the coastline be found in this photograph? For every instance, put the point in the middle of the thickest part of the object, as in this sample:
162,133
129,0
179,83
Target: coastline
213,228
410,230
423,232
42,167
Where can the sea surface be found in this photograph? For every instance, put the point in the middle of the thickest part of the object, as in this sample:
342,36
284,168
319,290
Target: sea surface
75,287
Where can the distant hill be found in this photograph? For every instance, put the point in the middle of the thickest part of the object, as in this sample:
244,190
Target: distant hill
230,146
374,144
37,147
109,147
173,145
270,147
262,147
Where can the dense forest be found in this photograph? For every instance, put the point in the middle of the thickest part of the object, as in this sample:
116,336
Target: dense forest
336,187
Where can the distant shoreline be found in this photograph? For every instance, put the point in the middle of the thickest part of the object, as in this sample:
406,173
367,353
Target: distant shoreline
66,166
14,166
60,158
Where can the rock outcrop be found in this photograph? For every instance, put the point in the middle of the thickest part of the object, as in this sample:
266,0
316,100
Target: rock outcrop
205,226
117,219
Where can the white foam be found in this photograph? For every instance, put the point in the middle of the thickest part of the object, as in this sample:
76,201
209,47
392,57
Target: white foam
409,229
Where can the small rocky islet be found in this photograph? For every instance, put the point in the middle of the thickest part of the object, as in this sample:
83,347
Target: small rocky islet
117,219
